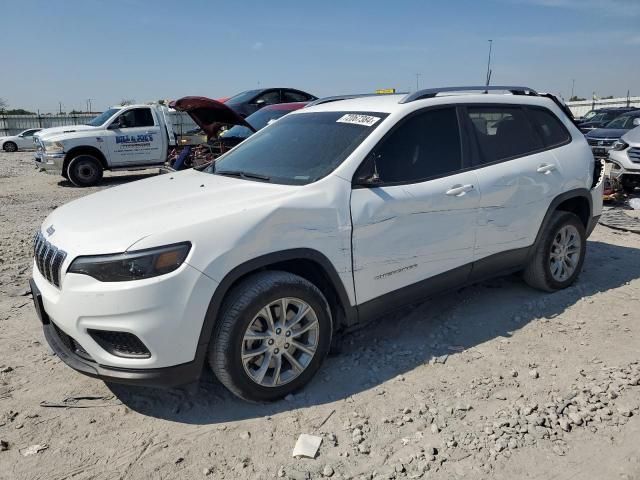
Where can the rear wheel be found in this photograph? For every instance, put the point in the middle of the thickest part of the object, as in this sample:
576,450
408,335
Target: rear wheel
10,147
84,171
559,256
273,332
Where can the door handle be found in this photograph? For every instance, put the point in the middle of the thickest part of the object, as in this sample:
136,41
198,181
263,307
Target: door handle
459,190
546,168
151,132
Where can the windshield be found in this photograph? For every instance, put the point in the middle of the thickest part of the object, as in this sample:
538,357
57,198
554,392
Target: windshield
258,120
623,121
299,149
590,114
242,97
103,117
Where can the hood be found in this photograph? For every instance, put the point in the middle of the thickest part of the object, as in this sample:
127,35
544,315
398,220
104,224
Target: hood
632,137
53,131
113,220
209,114
606,133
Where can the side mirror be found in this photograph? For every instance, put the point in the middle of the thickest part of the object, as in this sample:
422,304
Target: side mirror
636,122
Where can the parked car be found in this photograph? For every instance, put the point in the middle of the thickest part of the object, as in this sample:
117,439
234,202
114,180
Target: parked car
331,216
601,140
238,133
122,138
22,141
251,101
625,159
601,118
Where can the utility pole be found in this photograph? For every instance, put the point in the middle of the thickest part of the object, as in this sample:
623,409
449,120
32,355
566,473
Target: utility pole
418,75
573,86
628,98
60,107
489,63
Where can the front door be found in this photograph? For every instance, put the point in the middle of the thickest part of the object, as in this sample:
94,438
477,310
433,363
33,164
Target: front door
133,138
419,221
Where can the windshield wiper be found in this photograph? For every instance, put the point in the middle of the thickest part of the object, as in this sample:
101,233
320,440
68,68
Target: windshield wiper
241,174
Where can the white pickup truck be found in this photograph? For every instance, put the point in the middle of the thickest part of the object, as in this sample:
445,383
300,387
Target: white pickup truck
127,138
134,137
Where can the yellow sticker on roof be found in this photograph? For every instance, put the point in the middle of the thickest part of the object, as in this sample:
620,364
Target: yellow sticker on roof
357,119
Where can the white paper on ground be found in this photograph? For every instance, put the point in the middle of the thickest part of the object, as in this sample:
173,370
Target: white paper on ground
307,446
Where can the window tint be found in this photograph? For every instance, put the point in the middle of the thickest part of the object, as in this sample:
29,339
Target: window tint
138,117
424,146
270,97
502,132
551,130
293,96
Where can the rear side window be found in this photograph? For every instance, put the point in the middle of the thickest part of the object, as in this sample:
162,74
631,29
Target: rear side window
293,96
426,145
503,133
550,128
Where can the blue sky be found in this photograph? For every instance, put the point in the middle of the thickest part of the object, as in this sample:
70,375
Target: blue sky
108,50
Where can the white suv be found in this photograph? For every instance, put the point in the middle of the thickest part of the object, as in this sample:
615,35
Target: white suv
332,215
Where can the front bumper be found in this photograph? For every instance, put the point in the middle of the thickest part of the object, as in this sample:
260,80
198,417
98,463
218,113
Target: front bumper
50,162
165,313
621,164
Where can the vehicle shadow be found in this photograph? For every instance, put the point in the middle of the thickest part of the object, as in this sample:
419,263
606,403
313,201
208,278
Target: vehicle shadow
114,179
398,343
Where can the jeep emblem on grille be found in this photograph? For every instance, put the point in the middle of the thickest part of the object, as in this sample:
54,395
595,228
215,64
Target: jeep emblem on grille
51,230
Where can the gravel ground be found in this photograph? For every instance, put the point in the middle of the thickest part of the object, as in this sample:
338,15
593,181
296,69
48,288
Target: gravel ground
493,381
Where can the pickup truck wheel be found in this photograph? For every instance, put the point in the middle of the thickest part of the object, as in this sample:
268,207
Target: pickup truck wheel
84,171
559,256
273,332
10,147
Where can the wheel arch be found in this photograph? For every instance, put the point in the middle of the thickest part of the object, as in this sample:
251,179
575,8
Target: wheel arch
576,201
307,263
86,149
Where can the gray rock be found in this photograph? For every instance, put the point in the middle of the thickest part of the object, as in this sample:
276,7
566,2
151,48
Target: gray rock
564,424
4,445
281,472
534,373
575,418
327,471
245,435
365,449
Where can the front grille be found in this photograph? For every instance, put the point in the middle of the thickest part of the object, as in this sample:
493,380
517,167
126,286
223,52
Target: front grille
120,344
634,154
71,343
49,259
601,142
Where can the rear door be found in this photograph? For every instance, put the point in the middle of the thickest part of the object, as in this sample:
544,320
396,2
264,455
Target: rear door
419,221
518,176
134,138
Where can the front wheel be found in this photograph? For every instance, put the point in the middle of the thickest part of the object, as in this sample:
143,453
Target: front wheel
273,332
558,258
84,171
10,147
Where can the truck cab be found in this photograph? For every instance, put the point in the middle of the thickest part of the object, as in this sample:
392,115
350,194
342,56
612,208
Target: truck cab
122,138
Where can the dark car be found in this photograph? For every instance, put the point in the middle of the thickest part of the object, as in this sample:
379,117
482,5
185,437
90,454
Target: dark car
258,120
251,101
601,118
601,140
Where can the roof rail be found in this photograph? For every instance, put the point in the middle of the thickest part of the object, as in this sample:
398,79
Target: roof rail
432,92
337,98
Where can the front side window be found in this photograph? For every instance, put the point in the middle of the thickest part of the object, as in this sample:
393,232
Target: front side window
298,149
28,133
269,98
551,130
502,133
424,146
137,117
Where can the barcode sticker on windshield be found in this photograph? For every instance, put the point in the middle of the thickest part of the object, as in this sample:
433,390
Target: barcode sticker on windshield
354,118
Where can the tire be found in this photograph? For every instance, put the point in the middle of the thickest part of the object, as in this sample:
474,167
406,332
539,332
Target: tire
10,147
84,170
244,312
544,272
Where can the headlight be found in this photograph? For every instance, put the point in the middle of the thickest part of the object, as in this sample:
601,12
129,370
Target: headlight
54,147
620,145
136,265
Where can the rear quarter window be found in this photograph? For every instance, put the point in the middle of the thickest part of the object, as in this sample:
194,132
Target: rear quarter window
549,127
